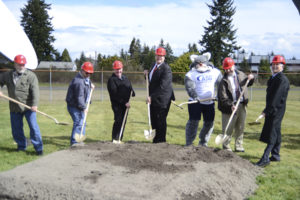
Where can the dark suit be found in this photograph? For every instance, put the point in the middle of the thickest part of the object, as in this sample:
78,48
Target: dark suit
277,92
161,93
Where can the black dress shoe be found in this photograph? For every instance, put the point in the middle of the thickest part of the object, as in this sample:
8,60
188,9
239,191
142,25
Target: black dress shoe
262,163
273,159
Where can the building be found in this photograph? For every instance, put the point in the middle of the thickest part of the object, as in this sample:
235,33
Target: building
293,65
53,65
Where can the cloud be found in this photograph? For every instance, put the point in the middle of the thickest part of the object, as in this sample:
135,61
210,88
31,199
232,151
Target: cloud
262,25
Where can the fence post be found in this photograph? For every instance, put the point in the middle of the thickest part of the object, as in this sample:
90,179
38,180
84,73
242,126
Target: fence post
50,84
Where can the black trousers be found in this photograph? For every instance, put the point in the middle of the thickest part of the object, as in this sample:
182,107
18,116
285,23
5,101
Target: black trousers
274,149
119,112
159,122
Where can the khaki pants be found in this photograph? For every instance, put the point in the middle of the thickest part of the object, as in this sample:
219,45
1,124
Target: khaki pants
237,124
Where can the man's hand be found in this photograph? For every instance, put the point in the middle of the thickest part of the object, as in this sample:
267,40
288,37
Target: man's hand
34,108
148,100
92,86
250,76
146,72
127,105
1,94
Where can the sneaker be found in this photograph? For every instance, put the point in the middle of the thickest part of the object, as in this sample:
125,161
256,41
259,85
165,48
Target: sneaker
39,153
227,147
239,149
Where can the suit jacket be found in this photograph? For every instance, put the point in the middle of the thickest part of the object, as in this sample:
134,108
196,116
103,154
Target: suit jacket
160,86
277,92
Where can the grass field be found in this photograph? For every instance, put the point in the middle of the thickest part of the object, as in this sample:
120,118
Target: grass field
279,180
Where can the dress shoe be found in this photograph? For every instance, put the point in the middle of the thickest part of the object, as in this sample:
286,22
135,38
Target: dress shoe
39,153
262,163
273,159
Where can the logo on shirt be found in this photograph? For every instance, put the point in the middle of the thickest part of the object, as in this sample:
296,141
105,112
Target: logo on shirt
204,78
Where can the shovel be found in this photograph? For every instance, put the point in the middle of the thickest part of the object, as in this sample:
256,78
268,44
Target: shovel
256,121
195,101
28,107
220,139
175,104
123,124
80,137
149,134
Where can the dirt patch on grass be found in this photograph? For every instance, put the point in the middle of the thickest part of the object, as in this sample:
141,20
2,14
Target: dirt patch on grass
132,171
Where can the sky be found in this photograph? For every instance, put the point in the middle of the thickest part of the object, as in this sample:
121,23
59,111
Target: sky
107,26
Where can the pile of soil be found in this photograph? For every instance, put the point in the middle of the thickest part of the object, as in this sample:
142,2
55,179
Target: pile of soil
132,170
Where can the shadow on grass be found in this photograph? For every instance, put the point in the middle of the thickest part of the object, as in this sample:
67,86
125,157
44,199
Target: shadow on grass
62,141
291,141
14,150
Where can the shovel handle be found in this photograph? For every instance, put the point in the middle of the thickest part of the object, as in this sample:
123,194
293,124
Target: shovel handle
28,107
236,107
195,101
124,119
87,109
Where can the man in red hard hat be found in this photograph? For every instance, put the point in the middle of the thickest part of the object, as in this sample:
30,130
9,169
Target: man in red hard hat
277,92
230,88
77,98
119,88
22,85
160,94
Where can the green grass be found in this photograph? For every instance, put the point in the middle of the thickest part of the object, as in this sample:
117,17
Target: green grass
278,181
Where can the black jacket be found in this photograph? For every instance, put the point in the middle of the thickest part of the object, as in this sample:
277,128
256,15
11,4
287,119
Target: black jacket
277,92
119,90
160,87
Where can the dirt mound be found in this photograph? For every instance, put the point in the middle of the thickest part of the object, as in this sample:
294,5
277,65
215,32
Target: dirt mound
132,171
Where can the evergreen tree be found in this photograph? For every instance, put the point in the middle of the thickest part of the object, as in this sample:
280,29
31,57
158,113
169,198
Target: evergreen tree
65,56
81,60
170,56
219,37
37,26
192,48
264,69
244,66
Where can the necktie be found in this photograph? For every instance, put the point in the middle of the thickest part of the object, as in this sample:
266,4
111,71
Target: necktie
237,88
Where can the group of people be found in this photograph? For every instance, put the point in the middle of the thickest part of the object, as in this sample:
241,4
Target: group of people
200,82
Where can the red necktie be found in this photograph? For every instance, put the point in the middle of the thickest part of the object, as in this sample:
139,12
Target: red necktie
237,87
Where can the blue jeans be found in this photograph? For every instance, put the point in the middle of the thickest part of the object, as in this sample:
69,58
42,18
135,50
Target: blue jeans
16,120
77,117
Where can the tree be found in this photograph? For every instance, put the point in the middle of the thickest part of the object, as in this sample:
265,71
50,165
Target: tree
169,52
181,65
81,60
219,37
193,48
65,56
244,66
37,26
264,68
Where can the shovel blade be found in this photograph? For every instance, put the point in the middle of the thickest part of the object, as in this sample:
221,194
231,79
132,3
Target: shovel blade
220,139
149,134
79,137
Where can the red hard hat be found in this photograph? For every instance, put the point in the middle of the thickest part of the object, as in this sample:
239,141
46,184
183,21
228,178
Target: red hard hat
160,51
87,67
278,59
117,64
20,59
228,63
